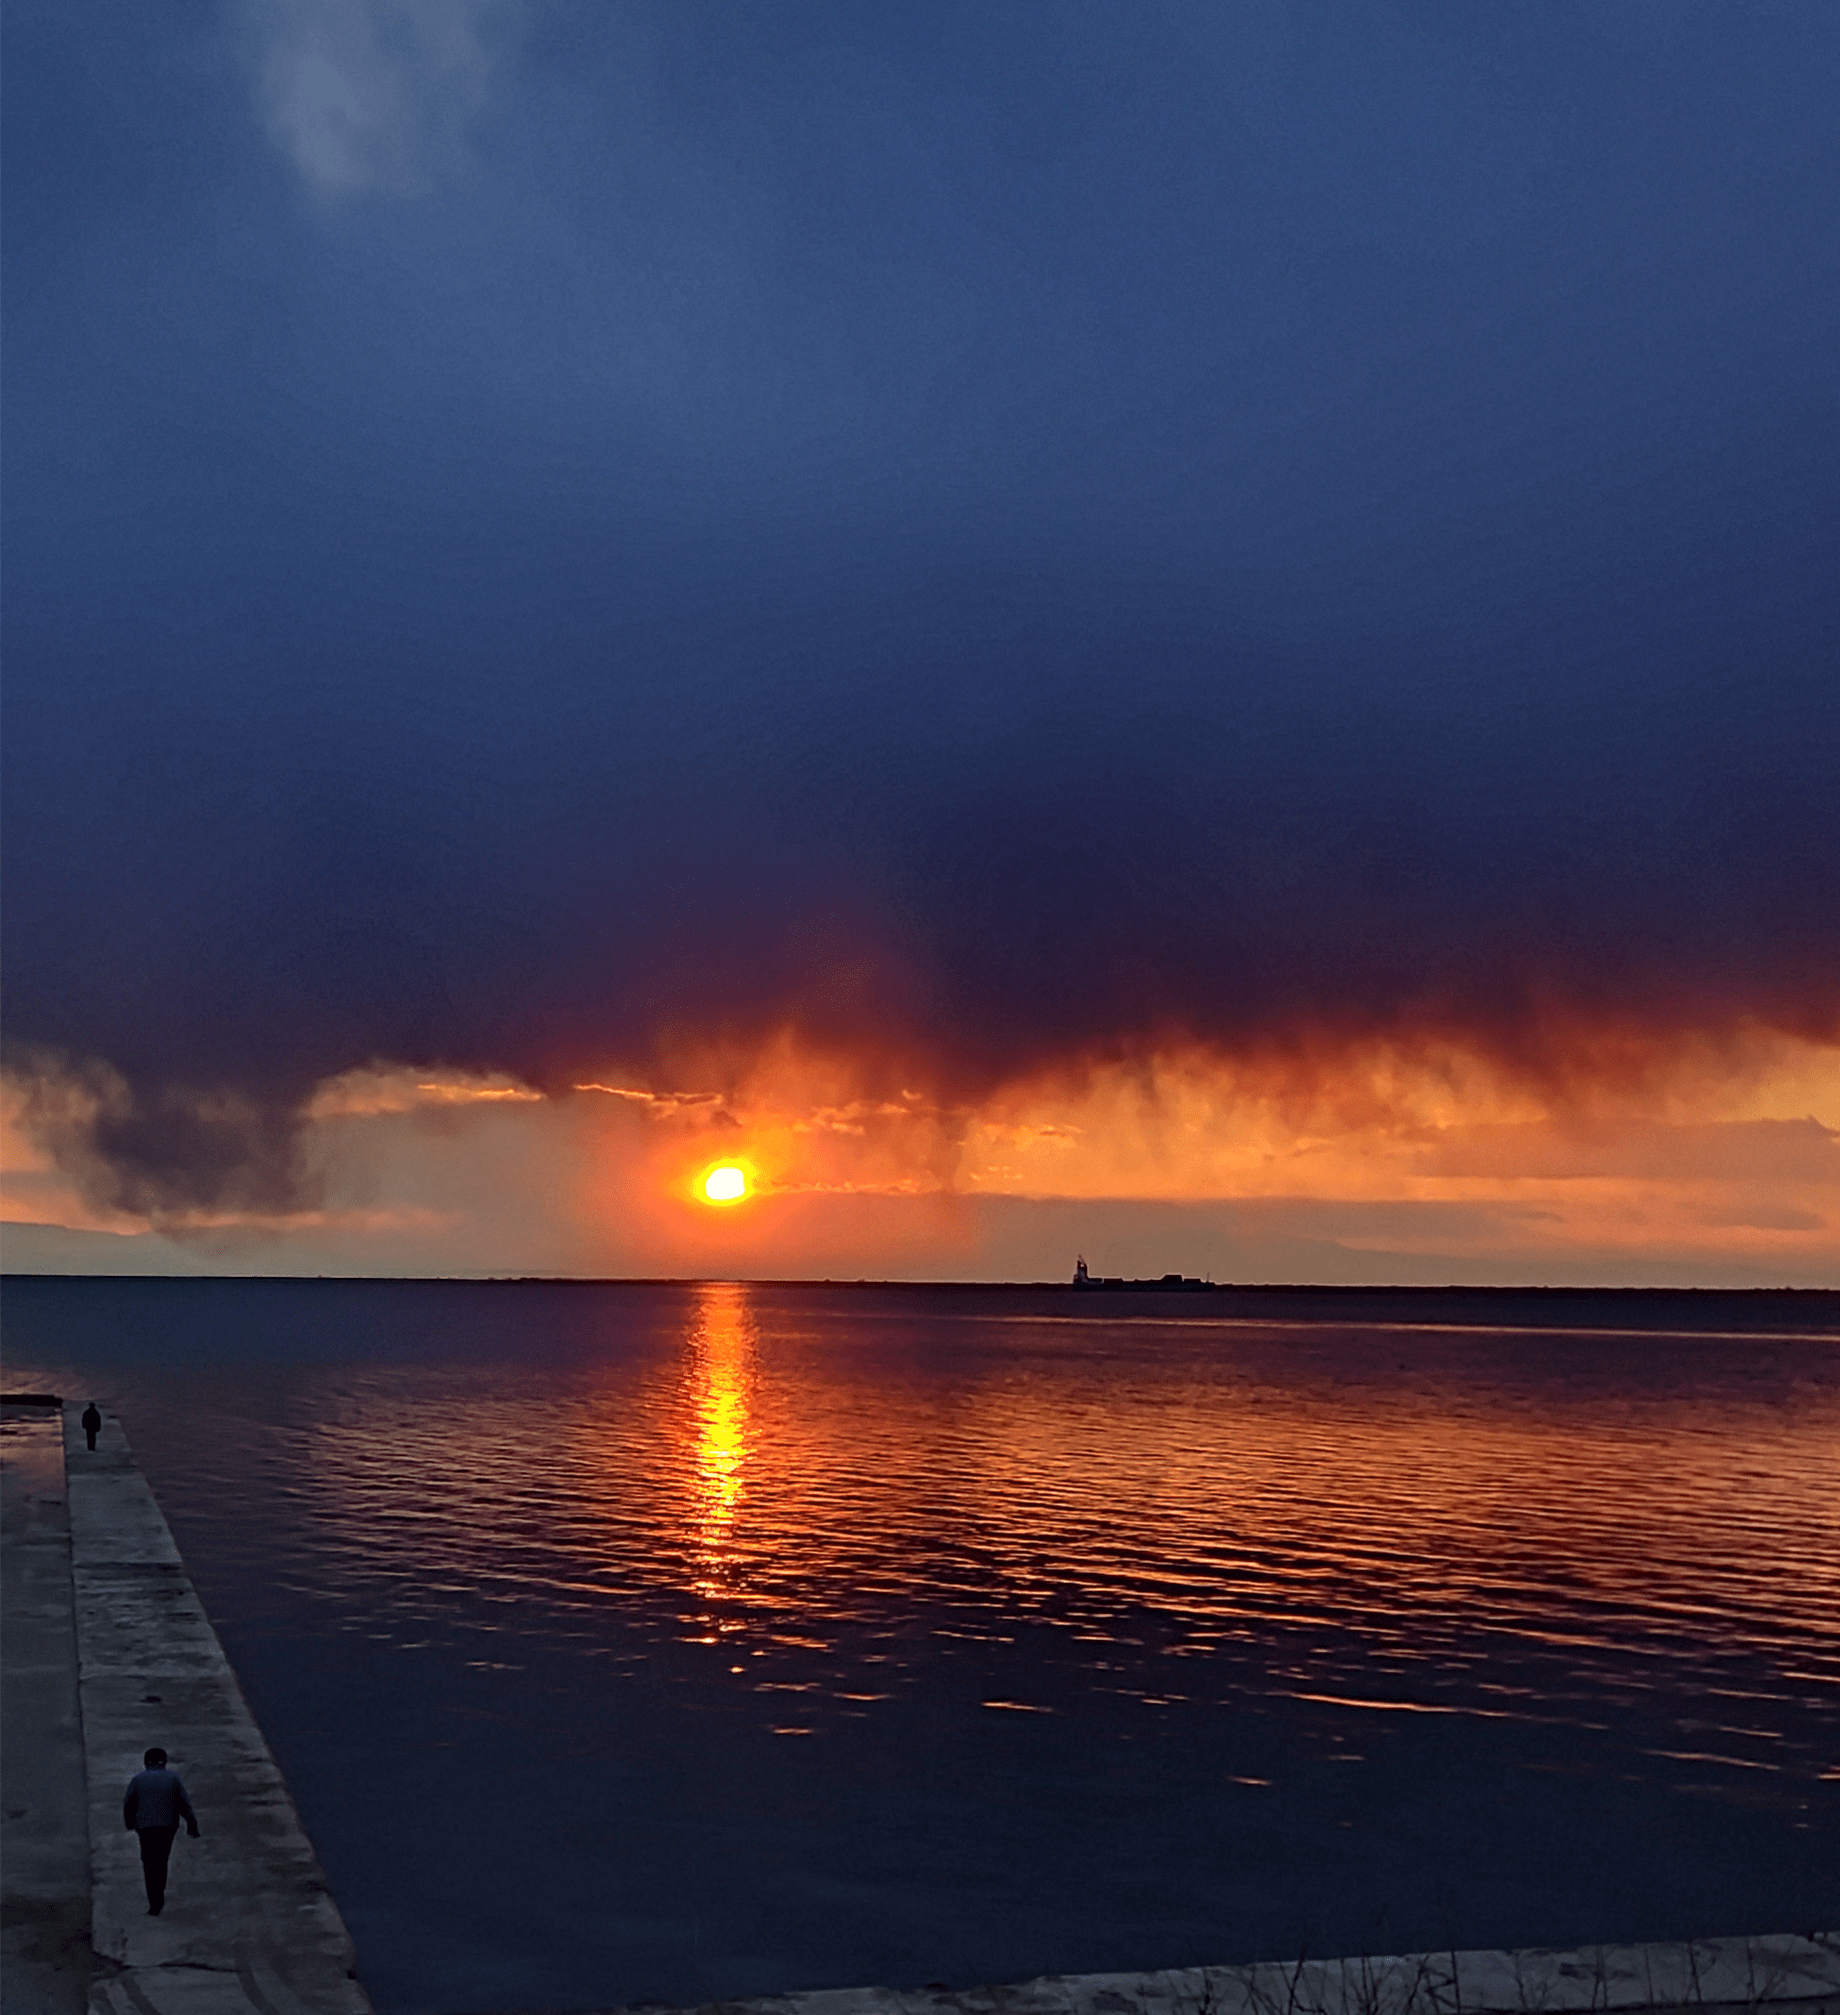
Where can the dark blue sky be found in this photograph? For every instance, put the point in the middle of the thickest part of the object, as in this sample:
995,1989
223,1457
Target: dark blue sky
1000,533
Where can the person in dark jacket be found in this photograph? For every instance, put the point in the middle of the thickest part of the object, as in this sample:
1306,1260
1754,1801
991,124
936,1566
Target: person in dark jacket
92,1422
155,1804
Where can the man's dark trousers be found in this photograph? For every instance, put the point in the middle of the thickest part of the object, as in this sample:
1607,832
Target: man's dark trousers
156,1851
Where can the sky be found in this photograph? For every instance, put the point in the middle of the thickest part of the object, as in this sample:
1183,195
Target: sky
1202,634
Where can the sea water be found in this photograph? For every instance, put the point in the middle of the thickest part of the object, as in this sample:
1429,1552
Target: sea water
634,1642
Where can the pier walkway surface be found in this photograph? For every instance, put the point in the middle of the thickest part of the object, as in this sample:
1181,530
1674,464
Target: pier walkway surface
249,1926
1710,1976
44,1834
108,1651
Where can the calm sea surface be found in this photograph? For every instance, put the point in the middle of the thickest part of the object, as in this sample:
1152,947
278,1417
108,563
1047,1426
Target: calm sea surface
633,1643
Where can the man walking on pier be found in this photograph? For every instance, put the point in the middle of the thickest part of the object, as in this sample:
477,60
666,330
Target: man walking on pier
155,1804
92,1422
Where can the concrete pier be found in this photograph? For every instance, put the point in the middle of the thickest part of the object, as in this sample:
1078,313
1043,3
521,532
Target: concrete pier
44,1833
249,1926
1711,1976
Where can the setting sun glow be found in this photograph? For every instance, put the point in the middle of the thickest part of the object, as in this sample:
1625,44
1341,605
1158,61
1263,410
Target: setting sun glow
727,1184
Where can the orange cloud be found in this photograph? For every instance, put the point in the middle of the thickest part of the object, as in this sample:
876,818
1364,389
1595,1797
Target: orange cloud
34,1187
381,1088
1707,1156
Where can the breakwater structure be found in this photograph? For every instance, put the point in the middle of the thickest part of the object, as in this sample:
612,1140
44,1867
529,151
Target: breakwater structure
249,1926
1780,1975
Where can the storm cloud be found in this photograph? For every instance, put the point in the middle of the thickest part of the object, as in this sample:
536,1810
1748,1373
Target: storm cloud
986,538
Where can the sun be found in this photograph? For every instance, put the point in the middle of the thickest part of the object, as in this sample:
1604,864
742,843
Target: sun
725,1184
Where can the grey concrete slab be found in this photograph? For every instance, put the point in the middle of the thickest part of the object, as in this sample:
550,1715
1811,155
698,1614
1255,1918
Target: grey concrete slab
44,1820
1713,1976
249,1923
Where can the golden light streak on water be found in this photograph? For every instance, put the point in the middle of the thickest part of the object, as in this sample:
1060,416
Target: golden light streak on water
720,1347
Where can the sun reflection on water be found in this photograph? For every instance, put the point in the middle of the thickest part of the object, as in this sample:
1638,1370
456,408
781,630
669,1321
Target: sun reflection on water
722,1341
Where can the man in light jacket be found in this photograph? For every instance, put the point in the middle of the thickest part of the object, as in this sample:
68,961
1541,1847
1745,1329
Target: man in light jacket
155,1804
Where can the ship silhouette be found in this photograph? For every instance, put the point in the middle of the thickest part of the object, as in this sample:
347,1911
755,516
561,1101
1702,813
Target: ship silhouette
1170,1282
